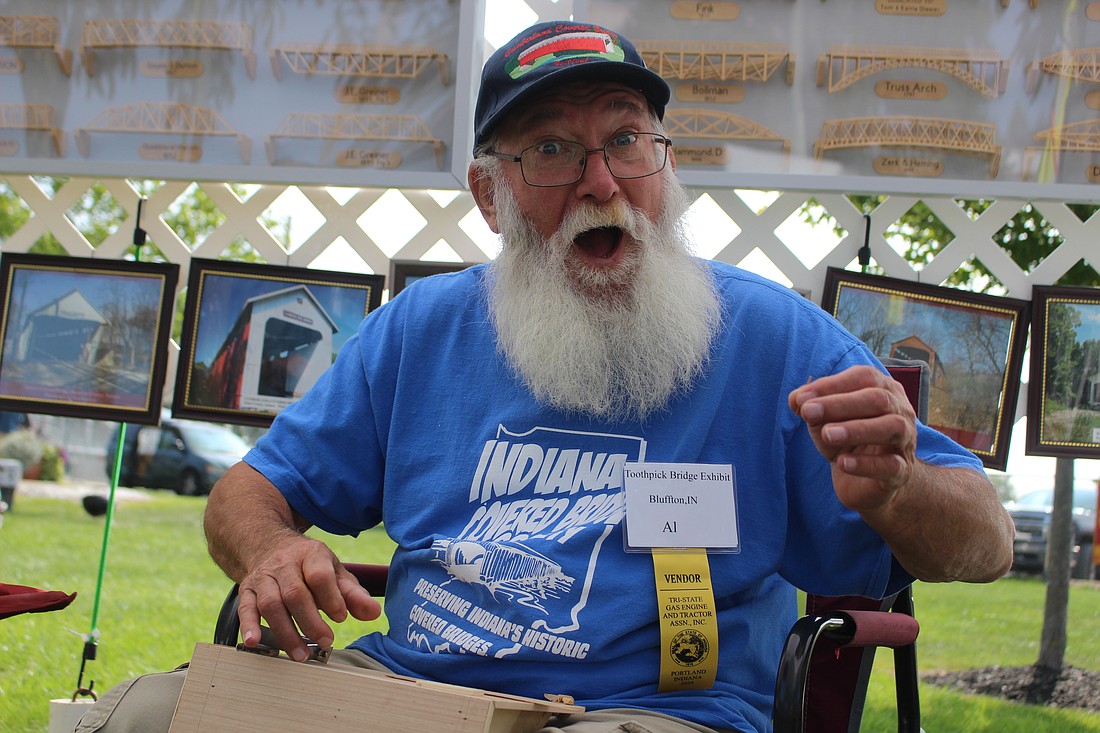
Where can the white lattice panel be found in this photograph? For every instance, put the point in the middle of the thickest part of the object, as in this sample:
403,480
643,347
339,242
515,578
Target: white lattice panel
448,218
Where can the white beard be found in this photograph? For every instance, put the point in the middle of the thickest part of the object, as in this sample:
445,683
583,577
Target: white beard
613,343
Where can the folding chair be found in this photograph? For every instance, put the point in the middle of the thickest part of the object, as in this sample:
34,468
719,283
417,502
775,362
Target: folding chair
821,684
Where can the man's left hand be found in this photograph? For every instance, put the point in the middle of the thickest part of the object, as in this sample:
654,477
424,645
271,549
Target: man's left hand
862,422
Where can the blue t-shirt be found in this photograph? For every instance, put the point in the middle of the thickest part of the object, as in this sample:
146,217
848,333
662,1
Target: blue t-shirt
510,572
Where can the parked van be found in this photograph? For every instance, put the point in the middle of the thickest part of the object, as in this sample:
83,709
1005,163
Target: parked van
183,455
1031,513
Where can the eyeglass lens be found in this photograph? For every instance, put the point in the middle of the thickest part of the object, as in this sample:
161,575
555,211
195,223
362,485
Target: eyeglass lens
559,163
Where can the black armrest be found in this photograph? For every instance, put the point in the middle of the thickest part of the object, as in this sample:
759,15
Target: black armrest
839,629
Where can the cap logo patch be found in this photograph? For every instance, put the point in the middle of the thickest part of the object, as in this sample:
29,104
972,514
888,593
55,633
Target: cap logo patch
568,47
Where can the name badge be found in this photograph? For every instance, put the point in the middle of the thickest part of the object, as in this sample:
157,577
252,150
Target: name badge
671,505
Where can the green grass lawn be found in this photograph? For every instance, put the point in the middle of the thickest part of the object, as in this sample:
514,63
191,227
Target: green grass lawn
162,593
965,626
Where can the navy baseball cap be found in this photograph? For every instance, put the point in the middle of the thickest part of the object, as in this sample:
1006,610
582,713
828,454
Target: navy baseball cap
554,53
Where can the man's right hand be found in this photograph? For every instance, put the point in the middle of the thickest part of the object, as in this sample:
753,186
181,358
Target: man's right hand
291,587
285,578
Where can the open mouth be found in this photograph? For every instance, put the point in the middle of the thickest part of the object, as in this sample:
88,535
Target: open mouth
600,243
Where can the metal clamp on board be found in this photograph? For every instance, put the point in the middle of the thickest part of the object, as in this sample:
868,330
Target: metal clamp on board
268,647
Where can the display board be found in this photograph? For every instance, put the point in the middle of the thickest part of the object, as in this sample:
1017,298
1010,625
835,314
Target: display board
950,97
961,97
298,91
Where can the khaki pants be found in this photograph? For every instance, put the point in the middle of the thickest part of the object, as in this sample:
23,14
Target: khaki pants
146,704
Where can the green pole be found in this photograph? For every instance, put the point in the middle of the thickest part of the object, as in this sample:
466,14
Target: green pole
91,639
115,473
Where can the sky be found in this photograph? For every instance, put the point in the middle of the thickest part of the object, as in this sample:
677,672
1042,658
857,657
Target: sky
32,289
1089,329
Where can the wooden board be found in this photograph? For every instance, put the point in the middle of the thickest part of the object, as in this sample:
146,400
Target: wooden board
231,690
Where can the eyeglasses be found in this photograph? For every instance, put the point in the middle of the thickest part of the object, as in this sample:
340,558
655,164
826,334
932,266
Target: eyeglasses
561,162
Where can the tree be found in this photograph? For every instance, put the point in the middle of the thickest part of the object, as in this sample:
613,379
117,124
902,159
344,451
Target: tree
1028,238
1063,352
13,214
97,215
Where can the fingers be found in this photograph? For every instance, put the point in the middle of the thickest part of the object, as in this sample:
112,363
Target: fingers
291,589
321,593
886,468
856,393
285,606
249,616
862,422
301,602
360,604
890,429
868,482
285,611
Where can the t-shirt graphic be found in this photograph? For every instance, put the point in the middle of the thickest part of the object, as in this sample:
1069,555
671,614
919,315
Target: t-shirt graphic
541,506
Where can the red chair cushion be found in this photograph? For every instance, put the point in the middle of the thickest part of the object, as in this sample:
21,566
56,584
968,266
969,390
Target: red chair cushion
17,599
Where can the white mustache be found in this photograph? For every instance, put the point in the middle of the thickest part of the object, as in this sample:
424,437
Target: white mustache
617,214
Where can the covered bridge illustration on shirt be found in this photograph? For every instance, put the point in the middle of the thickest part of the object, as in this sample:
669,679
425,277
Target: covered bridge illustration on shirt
512,568
278,347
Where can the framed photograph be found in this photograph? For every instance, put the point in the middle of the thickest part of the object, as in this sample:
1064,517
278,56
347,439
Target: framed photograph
405,272
1063,402
257,337
85,337
973,344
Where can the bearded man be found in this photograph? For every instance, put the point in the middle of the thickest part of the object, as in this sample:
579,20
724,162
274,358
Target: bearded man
494,419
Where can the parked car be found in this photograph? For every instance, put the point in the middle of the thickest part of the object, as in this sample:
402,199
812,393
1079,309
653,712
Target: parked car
183,455
1031,514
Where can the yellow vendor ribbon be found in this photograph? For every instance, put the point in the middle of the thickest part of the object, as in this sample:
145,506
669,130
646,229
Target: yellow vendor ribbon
689,622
